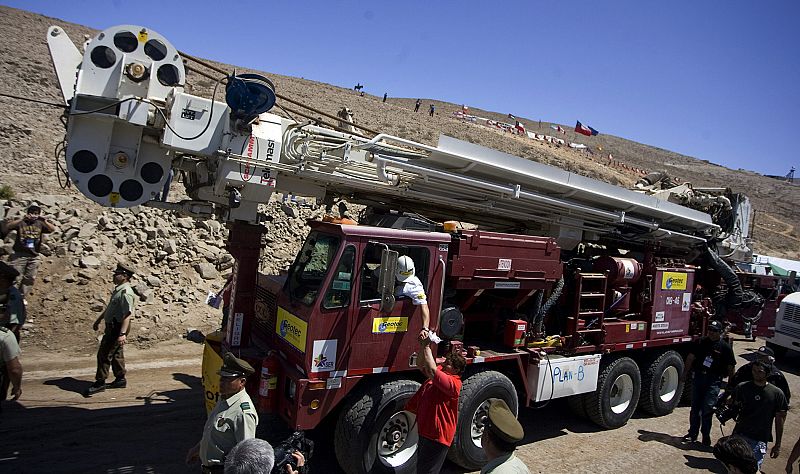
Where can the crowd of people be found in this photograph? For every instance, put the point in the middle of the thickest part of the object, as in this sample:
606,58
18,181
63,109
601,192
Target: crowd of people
757,396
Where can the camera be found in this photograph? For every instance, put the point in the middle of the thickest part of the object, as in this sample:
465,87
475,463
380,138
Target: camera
724,412
297,442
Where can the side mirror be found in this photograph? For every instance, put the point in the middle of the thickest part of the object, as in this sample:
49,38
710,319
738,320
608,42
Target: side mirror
386,279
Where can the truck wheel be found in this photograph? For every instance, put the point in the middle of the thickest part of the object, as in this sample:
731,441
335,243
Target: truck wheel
661,384
477,392
578,406
618,388
779,351
375,434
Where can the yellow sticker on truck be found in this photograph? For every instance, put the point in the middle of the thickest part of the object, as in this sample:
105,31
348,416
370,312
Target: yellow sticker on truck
390,324
291,329
674,281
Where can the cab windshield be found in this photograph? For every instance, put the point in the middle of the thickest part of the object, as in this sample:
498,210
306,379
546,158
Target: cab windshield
308,271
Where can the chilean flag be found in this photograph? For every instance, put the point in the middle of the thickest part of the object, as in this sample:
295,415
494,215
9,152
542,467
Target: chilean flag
585,130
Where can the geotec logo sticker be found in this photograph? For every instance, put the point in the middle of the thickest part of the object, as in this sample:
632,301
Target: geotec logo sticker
673,281
389,325
291,329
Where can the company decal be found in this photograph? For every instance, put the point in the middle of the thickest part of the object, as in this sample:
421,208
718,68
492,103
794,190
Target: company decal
656,326
324,355
686,304
291,329
674,281
506,285
504,264
390,324
659,316
248,171
443,247
238,323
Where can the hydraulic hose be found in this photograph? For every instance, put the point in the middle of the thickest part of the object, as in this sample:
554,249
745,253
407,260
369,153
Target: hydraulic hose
554,296
735,293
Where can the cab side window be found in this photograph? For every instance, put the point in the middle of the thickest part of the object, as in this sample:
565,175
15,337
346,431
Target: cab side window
371,263
338,294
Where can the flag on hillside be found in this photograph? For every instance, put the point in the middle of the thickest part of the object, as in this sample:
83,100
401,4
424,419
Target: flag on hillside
464,109
512,117
584,130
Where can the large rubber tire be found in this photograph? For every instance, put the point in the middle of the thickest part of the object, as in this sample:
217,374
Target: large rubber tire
780,351
618,388
375,416
473,406
661,384
577,404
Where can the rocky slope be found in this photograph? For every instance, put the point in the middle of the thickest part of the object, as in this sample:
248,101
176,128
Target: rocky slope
180,259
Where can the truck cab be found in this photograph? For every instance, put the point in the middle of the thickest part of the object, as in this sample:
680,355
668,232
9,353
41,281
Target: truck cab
323,320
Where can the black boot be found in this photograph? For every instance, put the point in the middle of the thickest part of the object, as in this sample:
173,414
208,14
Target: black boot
118,382
97,387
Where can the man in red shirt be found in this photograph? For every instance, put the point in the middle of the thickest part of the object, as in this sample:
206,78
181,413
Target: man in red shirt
436,407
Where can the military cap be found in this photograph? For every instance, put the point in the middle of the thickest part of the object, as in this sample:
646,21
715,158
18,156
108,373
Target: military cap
765,351
233,366
716,326
503,423
8,270
124,269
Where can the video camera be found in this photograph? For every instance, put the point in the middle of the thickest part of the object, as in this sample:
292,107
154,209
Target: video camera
297,442
725,412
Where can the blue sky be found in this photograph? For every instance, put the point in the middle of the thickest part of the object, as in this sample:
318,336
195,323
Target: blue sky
716,80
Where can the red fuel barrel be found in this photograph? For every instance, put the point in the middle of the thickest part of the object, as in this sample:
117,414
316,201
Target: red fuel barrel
621,271
268,384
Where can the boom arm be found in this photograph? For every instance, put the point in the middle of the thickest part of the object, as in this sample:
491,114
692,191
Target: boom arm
130,123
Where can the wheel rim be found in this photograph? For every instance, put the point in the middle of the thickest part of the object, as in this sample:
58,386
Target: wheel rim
397,439
668,387
479,422
621,393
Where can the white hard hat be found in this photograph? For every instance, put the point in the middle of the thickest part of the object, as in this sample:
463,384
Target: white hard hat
405,268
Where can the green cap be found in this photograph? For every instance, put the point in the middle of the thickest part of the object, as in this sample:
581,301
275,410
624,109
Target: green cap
124,269
233,366
503,423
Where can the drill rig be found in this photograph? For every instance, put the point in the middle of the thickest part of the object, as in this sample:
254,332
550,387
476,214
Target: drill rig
566,289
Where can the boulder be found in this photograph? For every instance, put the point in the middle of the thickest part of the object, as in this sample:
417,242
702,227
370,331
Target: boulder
185,222
207,271
154,281
90,261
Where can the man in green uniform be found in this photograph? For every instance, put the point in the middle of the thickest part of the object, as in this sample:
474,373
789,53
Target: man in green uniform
117,316
232,420
501,435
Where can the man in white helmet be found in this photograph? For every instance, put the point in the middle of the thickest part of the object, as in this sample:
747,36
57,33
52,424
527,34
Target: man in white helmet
411,287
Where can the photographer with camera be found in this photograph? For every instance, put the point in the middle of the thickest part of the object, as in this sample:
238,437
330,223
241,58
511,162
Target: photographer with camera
711,359
256,456
759,404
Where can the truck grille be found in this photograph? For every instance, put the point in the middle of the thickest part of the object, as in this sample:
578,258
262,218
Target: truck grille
791,314
266,310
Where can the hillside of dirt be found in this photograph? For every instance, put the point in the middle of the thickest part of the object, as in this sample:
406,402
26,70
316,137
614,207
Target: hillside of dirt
181,259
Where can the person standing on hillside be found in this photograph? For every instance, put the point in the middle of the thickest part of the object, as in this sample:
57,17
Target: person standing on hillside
385,95
432,110
12,309
711,359
26,247
417,105
117,316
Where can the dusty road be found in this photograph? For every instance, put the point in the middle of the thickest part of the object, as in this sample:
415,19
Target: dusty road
148,427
